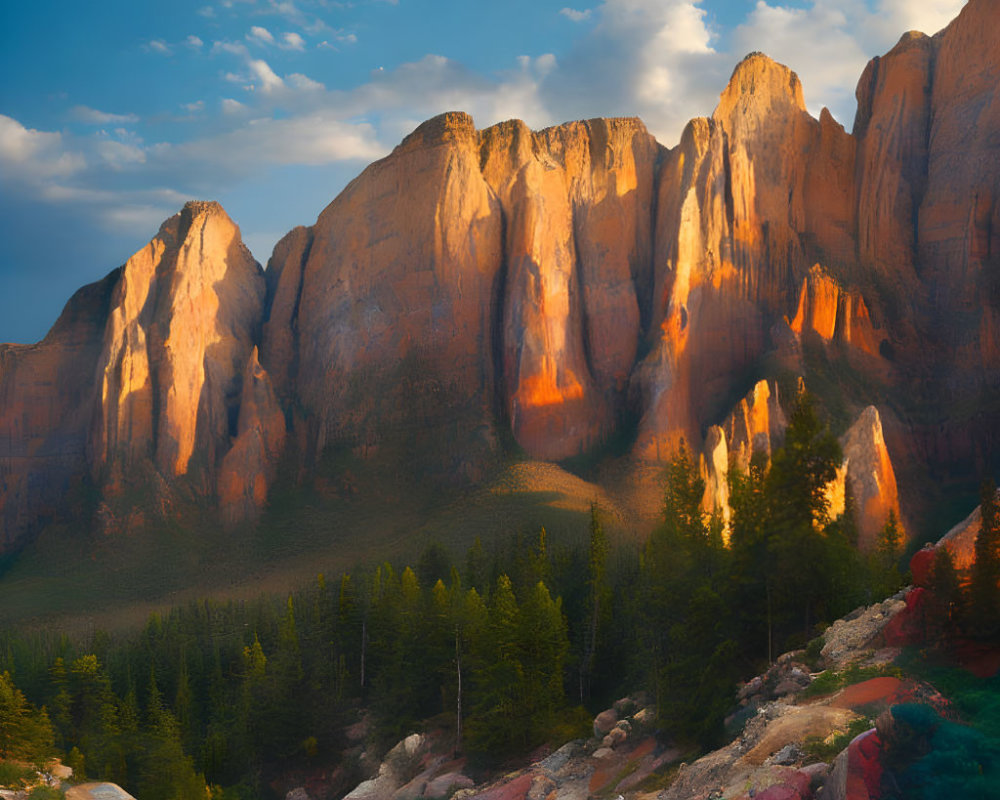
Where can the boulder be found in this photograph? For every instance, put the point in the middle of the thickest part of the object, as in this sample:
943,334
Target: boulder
604,722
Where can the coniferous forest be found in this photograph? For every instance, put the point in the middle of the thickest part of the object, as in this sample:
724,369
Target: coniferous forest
510,645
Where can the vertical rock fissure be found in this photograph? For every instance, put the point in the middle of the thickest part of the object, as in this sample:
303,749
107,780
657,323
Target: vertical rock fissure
293,366
497,311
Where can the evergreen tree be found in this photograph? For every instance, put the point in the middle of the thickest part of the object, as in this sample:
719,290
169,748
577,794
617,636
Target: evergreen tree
496,725
25,733
95,719
984,590
798,511
683,563
163,771
470,617
598,600
752,584
946,595
544,645
886,577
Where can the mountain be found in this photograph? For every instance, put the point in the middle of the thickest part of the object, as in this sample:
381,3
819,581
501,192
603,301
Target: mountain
580,291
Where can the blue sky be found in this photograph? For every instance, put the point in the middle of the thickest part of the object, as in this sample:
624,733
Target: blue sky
113,114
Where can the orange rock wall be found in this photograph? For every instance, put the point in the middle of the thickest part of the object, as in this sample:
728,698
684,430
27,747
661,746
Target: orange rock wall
560,283
178,336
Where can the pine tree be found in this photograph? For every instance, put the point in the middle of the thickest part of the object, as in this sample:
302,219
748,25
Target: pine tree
598,599
946,595
95,719
888,549
496,726
752,584
984,590
798,512
13,715
163,771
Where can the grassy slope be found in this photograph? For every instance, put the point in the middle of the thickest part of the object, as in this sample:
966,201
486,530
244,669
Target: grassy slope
352,514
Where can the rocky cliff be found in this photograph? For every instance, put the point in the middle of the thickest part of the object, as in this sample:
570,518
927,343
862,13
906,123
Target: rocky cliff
479,292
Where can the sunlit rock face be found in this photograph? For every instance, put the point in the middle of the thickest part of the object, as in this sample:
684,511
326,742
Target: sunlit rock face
503,265
755,426
180,329
381,314
740,210
577,201
835,314
961,539
46,401
868,474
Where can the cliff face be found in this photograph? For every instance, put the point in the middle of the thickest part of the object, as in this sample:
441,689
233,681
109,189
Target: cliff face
562,285
46,394
178,335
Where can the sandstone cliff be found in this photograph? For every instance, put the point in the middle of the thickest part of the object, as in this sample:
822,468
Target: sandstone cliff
45,402
557,290
180,330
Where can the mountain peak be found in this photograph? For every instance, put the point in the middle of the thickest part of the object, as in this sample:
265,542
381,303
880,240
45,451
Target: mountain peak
760,82
446,127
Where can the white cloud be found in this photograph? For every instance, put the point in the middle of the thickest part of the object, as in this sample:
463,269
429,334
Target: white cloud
195,107
269,81
206,11
928,16
231,48
230,106
194,42
303,83
260,35
287,9
34,156
576,15
91,116
311,139
829,42
292,41
120,155
160,46
649,58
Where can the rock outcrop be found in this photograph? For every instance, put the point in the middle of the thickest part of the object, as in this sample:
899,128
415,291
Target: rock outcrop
249,467
961,539
834,314
870,475
180,330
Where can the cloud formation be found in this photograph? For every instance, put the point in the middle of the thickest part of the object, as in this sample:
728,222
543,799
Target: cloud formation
260,35
292,41
576,15
829,42
160,46
91,116
33,157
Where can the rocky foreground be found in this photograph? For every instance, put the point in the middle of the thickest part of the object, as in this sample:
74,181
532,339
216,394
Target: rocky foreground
794,742
624,757
818,725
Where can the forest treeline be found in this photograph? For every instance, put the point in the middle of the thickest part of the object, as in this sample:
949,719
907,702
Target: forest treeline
513,644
